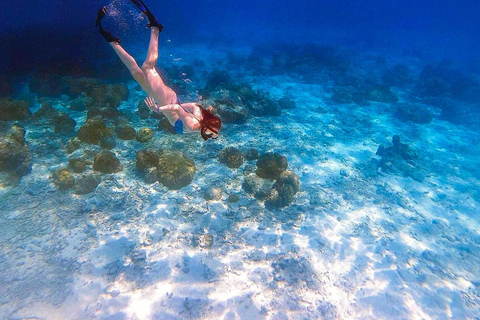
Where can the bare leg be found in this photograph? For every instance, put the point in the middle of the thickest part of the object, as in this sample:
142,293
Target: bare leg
152,53
130,63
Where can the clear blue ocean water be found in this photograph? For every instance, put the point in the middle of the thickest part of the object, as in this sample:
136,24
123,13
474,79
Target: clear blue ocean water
344,183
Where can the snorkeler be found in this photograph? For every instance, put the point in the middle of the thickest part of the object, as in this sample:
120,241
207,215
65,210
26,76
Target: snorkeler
184,117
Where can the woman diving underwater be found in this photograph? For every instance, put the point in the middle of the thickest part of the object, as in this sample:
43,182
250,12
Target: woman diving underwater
184,117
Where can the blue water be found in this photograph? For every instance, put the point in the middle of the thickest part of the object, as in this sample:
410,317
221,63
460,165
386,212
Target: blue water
344,183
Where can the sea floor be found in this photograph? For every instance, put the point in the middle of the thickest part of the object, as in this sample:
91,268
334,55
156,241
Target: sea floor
355,244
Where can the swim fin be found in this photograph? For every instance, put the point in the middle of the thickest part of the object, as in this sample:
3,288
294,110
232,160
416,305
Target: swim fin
107,35
152,22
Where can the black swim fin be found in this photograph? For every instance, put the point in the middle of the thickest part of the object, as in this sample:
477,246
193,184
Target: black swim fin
152,22
107,35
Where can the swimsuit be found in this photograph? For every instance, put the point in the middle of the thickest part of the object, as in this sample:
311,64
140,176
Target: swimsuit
178,126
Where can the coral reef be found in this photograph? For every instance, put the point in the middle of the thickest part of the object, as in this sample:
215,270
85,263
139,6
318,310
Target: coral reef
78,165
87,183
213,193
251,154
106,162
144,135
400,159
271,165
125,132
232,157
14,109
175,170
93,131
284,189
413,112
15,156
63,123
260,188
63,179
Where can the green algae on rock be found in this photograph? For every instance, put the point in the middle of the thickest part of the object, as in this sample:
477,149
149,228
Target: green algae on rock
175,170
107,162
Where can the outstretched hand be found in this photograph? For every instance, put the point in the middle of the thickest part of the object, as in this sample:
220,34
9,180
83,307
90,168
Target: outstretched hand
151,104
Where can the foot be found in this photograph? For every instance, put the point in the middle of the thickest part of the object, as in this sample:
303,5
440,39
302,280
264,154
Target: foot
100,14
152,22
107,35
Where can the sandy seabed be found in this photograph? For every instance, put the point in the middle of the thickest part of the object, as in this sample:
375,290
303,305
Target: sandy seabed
355,244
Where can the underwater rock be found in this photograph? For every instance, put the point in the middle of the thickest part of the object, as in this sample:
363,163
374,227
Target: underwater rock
400,159
144,135
93,131
251,154
213,193
78,104
271,165
397,76
343,95
15,156
73,144
14,109
264,106
286,103
46,110
231,114
376,93
126,132
175,170
233,198
229,106
87,183
288,178
63,179
77,165
146,159
413,112
63,123
102,95
106,162
260,188
108,143
443,81
216,79
143,110
164,125
232,157
284,190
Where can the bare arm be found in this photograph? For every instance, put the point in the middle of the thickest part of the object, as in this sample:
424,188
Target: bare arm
188,118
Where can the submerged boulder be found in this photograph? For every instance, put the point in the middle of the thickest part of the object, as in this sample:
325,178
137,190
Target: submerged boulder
63,179
144,135
284,189
63,123
232,157
258,187
271,165
93,131
146,159
15,156
106,162
77,165
414,113
398,158
125,132
175,170
14,109
87,183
